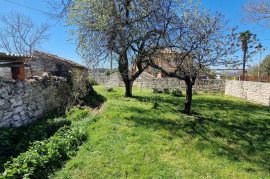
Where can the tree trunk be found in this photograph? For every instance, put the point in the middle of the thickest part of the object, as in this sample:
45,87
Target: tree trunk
124,71
128,87
244,65
188,101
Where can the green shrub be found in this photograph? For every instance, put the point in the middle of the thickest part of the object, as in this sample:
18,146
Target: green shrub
157,90
108,73
155,105
177,93
45,156
14,141
92,81
167,91
76,114
109,89
195,92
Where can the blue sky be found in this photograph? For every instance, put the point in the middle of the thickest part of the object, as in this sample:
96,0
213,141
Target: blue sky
61,45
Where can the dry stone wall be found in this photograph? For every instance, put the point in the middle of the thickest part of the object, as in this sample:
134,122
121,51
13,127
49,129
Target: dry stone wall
113,80
252,91
146,80
22,102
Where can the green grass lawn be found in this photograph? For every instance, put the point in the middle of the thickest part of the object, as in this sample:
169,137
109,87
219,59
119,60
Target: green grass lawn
148,137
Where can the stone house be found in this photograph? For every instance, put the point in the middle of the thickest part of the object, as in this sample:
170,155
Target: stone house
26,93
20,67
12,66
165,59
57,66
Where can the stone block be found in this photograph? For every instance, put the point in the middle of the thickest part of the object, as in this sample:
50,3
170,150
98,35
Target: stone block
18,109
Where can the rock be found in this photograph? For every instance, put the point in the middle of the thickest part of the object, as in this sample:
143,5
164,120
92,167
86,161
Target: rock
46,76
37,78
2,102
16,117
16,103
13,101
31,81
8,115
18,109
17,124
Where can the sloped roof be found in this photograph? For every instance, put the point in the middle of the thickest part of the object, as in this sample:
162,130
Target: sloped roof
57,58
8,57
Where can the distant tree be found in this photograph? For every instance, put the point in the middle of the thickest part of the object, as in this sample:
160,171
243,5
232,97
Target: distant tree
262,69
265,66
258,11
198,40
245,38
19,34
249,44
130,29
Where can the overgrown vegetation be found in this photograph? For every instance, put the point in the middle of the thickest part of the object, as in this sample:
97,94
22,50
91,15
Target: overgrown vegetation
45,156
39,149
224,138
14,141
177,93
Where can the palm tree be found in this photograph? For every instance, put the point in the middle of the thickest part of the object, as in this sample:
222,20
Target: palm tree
245,38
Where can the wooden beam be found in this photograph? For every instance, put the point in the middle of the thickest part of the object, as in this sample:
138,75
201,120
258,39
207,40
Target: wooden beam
12,64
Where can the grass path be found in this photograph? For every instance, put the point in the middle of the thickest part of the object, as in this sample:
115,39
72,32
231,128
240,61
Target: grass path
148,137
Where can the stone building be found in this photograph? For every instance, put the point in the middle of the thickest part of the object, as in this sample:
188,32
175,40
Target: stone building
13,66
28,92
165,58
20,67
53,64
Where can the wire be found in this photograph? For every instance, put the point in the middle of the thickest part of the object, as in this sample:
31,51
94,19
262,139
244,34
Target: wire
28,7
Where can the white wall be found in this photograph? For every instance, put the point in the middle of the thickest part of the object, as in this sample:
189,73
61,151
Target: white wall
252,91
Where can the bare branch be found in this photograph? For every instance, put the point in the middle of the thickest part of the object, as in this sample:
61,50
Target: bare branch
19,34
258,11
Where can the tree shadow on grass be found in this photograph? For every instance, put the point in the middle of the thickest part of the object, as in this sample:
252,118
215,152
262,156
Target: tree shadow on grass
173,104
93,99
238,108
239,137
14,141
158,99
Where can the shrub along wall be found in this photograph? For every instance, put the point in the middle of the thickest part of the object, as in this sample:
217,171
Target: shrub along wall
24,101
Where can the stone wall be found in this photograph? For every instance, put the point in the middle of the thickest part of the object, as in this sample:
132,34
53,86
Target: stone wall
113,80
252,91
173,83
21,102
5,72
145,80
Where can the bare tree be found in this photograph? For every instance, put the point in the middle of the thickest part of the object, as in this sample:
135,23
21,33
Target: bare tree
197,41
19,34
258,11
130,29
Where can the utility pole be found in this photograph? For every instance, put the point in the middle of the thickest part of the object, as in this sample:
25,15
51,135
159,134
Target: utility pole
260,49
259,65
